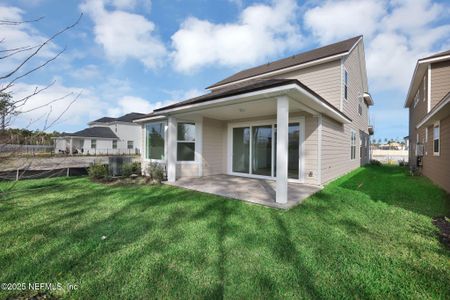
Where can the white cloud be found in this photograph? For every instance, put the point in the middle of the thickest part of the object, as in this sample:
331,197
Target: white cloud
124,35
21,35
396,33
36,109
262,31
339,19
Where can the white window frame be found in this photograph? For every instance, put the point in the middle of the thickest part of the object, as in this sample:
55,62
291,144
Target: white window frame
426,134
424,90
437,125
345,84
188,142
128,144
361,143
352,145
301,170
163,160
114,144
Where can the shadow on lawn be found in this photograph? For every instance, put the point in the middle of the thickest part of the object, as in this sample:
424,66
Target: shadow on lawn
392,185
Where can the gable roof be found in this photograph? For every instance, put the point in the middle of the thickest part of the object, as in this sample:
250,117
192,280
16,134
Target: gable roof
95,132
130,117
419,72
125,118
104,120
243,88
298,59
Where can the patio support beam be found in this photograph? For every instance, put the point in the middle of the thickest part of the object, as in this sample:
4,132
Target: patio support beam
71,146
282,149
171,149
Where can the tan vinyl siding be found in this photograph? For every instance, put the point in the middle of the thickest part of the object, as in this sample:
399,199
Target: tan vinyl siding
324,79
311,149
440,81
437,168
214,148
336,137
416,114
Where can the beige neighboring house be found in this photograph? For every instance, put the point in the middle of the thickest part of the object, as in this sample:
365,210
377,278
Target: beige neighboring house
299,119
428,101
104,136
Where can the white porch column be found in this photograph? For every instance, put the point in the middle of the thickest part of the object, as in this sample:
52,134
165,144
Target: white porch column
71,146
282,149
172,149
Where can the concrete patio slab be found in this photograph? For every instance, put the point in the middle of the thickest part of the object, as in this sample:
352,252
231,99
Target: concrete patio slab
252,190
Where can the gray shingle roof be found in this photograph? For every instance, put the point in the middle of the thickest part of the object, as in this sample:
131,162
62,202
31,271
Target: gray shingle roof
298,59
104,120
130,117
437,55
246,87
97,132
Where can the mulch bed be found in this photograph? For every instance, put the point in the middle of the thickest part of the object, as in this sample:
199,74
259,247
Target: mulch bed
444,229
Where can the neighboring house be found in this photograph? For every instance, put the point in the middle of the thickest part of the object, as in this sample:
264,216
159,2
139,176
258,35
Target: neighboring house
104,136
302,119
428,101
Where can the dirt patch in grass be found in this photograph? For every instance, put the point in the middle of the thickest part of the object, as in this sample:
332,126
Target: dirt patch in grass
444,229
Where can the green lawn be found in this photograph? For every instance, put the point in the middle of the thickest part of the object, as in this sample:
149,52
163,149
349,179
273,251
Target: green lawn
366,235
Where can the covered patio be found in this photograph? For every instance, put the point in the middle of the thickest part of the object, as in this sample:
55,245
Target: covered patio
258,191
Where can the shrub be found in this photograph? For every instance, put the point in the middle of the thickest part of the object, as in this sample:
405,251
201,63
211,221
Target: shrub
133,168
375,162
402,163
156,172
98,171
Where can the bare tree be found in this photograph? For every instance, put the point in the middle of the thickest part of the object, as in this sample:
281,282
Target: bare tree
12,107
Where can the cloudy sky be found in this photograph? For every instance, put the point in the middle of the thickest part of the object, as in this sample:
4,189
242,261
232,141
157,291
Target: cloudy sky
137,55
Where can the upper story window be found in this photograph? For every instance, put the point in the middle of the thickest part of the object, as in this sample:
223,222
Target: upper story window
416,99
155,140
360,106
93,144
130,145
186,141
353,145
345,85
424,90
114,144
436,138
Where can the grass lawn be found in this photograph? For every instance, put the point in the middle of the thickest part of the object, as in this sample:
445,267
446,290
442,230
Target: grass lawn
366,235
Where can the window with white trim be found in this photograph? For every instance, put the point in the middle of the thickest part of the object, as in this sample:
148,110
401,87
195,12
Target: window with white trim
353,145
360,106
345,84
93,144
424,90
361,143
155,140
416,99
114,144
436,138
185,141
130,144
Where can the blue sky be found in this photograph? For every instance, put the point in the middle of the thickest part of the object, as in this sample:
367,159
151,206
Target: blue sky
137,55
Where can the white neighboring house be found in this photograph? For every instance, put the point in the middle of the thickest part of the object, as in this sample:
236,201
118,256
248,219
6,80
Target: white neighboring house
103,136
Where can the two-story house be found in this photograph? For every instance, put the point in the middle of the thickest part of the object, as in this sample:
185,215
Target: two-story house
428,101
104,136
303,119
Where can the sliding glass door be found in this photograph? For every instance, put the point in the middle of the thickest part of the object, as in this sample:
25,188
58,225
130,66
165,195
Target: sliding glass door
254,150
241,149
262,150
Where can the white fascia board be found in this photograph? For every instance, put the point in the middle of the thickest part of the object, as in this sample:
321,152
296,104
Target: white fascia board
271,92
284,70
87,137
143,120
419,64
436,110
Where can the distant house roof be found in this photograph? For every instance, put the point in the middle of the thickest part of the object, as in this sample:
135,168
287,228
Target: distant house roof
104,120
95,132
130,117
242,88
298,59
125,118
